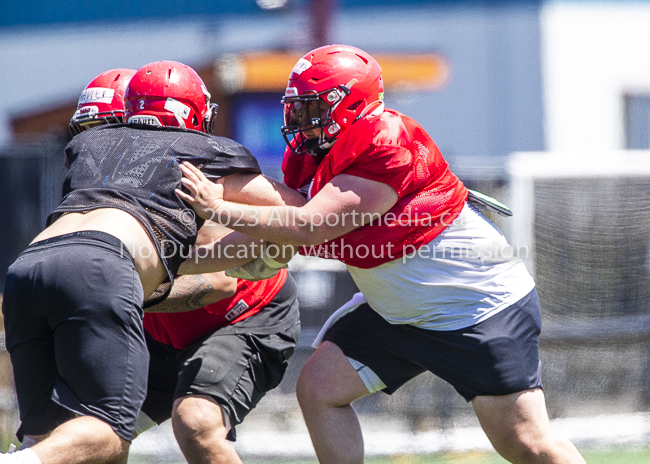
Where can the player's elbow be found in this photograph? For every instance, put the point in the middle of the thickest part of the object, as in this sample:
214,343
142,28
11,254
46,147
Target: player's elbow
222,286
229,288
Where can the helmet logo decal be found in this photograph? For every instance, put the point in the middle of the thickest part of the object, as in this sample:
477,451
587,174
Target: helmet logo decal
301,66
88,111
145,119
179,109
291,92
96,95
381,96
333,129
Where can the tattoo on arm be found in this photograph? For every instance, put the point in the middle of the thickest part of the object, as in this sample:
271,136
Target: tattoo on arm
189,292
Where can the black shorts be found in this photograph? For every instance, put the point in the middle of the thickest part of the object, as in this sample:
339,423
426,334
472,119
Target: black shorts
73,322
235,368
498,356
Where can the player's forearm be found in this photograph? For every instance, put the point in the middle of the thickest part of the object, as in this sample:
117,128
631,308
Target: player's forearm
211,232
259,190
196,291
231,251
286,225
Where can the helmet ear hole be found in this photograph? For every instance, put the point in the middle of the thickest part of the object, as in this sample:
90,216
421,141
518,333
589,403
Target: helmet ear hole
354,105
195,121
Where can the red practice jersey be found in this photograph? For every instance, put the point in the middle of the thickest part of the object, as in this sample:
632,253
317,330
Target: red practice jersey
393,149
182,329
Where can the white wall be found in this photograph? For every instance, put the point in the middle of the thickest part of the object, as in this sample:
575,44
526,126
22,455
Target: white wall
592,54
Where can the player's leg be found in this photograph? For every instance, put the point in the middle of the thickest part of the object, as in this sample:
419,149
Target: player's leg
222,381
101,354
357,358
226,375
73,441
30,342
99,351
81,438
504,384
220,384
326,387
519,429
197,420
201,431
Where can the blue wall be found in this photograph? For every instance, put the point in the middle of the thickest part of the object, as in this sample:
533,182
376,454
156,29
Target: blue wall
33,12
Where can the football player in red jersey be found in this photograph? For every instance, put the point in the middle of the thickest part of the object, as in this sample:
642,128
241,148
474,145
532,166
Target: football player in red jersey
211,366
74,299
441,289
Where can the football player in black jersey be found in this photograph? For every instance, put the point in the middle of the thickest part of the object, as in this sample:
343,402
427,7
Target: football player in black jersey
209,368
74,299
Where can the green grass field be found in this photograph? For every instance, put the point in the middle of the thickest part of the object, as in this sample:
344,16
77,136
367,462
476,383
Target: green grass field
611,456
620,456
614,455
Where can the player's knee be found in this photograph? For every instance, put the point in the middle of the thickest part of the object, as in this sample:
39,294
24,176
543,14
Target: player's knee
193,418
524,448
523,455
310,390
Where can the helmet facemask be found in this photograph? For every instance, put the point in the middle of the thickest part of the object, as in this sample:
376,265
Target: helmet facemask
210,118
82,122
309,119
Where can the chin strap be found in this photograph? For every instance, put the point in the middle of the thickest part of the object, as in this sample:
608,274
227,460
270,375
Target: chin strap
210,117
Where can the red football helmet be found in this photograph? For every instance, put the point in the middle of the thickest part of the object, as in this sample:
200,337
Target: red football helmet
168,93
102,101
329,89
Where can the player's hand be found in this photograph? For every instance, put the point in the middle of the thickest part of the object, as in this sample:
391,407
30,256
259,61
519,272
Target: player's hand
205,196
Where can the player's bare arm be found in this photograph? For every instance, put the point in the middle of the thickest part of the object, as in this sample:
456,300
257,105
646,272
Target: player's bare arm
249,189
226,252
219,248
242,188
257,189
196,291
344,204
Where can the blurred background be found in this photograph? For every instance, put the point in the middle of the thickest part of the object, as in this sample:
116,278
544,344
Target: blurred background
544,105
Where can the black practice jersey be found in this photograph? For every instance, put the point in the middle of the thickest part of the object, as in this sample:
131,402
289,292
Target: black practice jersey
135,168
